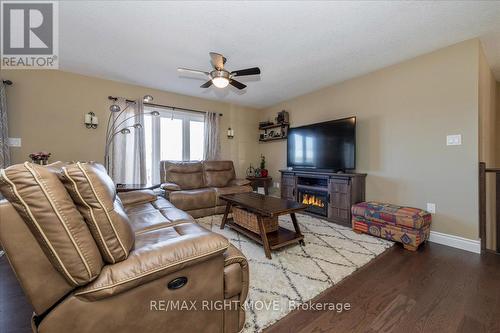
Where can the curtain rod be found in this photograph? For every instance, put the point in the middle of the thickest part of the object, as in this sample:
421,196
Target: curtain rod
112,98
7,82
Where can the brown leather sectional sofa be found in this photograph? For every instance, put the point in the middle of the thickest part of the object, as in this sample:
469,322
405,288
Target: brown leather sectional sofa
90,260
195,187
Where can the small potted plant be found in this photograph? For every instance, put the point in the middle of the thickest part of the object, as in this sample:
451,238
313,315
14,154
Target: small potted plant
263,170
41,157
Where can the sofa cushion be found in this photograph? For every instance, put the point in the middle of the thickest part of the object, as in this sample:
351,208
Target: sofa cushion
94,194
157,253
136,197
230,190
41,200
218,173
170,187
155,215
193,199
188,175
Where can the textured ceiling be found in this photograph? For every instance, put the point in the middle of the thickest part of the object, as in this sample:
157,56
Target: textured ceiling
299,46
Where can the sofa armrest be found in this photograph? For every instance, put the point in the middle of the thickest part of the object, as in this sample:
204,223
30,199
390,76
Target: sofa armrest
236,275
136,197
238,182
154,260
170,187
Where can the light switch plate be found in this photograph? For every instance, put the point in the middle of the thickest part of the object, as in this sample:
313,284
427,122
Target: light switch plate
277,184
431,208
454,140
14,142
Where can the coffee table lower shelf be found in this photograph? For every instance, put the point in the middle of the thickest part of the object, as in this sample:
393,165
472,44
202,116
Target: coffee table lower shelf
277,239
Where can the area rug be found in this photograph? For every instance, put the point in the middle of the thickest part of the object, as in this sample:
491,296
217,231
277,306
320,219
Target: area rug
296,274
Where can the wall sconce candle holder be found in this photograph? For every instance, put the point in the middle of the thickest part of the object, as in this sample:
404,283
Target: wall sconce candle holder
230,133
91,120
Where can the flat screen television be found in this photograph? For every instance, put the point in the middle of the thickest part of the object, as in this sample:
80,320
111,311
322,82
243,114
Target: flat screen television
329,145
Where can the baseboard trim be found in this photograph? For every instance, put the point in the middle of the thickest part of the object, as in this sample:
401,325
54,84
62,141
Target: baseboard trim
466,244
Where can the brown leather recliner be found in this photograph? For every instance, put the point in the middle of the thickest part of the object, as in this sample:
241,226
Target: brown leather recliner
195,187
91,261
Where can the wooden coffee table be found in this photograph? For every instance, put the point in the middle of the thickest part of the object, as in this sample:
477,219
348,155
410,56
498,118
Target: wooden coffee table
263,205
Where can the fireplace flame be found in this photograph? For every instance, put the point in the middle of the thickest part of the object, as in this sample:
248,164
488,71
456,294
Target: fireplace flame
310,199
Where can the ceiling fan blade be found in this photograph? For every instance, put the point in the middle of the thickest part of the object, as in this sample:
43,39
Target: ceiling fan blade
195,71
248,71
237,84
206,84
218,60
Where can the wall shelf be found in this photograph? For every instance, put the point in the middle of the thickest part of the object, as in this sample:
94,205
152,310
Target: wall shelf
272,139
274,126
267,132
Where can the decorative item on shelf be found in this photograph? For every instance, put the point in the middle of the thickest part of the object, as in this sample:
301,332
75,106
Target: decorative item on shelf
118,126
275,131
41,157
283,117
91,120
230,133
263,170
250,171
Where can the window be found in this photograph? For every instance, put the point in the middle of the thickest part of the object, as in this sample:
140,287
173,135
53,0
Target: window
174,135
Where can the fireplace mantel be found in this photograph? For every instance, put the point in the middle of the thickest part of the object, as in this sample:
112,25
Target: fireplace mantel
341,191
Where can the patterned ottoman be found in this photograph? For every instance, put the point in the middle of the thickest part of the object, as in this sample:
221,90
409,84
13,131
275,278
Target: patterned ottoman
410,226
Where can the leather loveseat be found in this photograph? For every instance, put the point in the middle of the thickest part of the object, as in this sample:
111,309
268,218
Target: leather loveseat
90,260
195,187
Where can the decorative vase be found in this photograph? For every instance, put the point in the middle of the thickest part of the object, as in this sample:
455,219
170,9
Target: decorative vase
264,173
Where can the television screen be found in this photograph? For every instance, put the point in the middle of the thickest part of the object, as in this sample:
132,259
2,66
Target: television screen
330,145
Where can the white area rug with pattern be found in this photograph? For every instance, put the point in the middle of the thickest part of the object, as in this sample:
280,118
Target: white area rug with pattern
298,273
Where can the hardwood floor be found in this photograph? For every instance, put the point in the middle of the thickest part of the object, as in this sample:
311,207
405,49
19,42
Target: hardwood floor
437,289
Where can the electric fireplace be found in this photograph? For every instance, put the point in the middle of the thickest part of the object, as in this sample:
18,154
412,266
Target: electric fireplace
315,199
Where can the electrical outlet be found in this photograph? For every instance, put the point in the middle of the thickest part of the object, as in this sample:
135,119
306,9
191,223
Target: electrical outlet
431,208
454,140
14,142
277,184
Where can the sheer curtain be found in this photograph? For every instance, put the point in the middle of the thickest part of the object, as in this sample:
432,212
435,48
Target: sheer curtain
4,132
211,150
128,152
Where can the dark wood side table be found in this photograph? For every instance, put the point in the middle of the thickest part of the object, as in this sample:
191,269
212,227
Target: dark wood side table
264,205
265,182
135,187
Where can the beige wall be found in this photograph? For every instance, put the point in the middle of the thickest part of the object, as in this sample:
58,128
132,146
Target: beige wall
487,139
404,113
47,108
497,129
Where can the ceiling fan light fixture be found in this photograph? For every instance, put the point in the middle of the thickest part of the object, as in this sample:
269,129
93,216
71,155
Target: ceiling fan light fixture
221,77
220,82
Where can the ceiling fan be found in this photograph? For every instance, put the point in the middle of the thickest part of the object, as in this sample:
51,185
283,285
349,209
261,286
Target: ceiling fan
219,76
